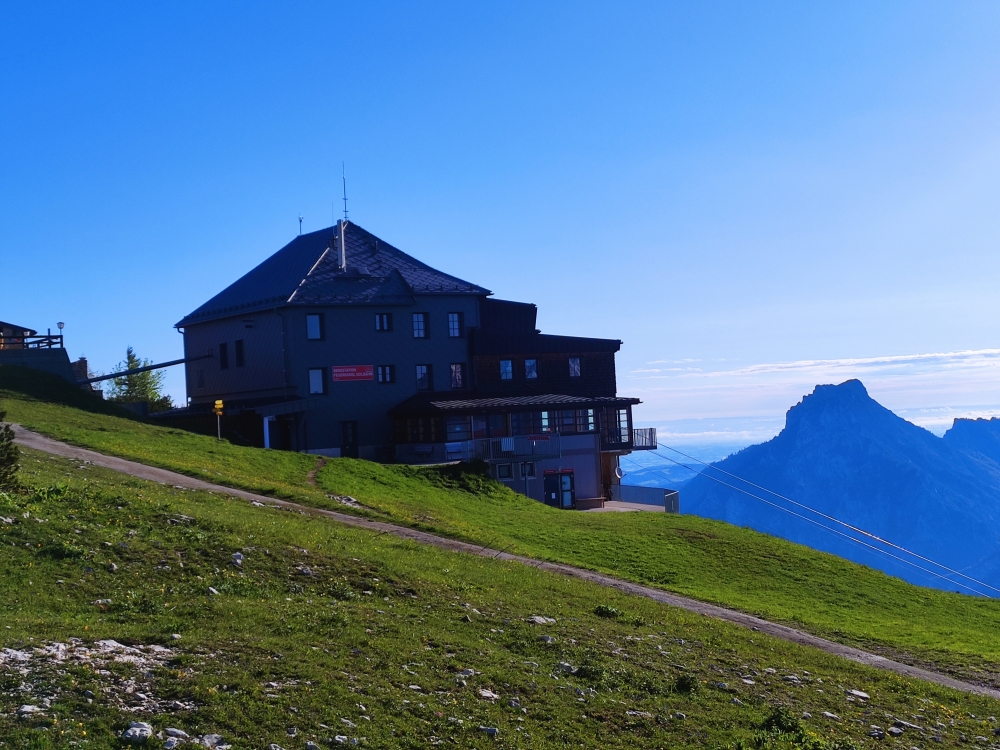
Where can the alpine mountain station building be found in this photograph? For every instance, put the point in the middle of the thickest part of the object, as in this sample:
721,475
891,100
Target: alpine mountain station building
341,345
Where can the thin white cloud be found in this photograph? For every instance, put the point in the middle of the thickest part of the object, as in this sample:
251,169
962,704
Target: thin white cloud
968,358
929,389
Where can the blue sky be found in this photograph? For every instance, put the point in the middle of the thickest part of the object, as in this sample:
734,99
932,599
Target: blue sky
754,197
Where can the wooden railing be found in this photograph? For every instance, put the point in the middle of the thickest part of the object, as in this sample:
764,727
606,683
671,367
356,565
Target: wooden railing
32,342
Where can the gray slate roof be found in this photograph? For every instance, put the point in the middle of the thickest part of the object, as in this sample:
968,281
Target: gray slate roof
306,272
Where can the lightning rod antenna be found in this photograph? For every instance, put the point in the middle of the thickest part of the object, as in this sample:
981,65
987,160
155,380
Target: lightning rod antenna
300,225
344,175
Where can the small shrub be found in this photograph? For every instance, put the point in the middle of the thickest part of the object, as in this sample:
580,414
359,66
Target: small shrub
10,456
610,613
781,720
62,550
342,592
591,671
686,683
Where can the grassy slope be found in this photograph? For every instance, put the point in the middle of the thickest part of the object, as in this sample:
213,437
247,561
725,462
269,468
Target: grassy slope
277,648
702,558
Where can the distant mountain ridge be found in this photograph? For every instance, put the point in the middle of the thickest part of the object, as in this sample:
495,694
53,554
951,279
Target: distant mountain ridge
846,455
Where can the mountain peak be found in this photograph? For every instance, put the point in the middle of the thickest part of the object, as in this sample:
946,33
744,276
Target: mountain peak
828,405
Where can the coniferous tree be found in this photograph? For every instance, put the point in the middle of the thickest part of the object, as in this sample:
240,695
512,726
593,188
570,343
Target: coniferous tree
138,387
9,456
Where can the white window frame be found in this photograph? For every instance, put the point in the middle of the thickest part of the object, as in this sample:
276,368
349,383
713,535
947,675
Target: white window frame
317,380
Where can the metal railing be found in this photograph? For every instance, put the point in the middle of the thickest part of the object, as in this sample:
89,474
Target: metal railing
623,439
31,342
505,450
644,439
660,497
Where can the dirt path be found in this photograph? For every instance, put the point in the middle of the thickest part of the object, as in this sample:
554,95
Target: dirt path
32,440
311,476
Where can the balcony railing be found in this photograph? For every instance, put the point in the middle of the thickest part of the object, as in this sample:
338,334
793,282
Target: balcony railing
505,450
644,439
622,439
31,342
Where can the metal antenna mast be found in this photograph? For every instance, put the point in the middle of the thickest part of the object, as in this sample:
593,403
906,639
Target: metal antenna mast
300,225
344,175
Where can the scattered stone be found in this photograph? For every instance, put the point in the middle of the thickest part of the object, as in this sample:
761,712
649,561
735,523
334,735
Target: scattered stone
982,740
137,733
102,603
540,620
737,702
514,703
274,746
876,733
112,567
832,717
487,694
25,711
172,742
491,731
175,637
771,670
340,739
679,716
238,559
895,731
806,715
212,591
460,682
468,673
566,667
211,740
466,618
348,723
415,687
906,725
546,639
747,681
858,694
310,745
180,733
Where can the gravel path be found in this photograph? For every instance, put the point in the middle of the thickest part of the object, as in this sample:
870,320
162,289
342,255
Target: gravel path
38,442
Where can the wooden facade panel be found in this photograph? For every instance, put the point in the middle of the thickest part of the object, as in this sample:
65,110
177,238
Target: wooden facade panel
597,374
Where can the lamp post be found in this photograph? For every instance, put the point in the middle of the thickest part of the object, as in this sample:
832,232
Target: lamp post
60,325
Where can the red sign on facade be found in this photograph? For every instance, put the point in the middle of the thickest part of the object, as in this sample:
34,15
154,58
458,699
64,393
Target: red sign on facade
347,373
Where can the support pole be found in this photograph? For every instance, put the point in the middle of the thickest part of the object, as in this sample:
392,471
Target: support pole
218,422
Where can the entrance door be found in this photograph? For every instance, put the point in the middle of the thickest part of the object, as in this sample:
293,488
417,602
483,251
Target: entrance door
560,489
349,439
